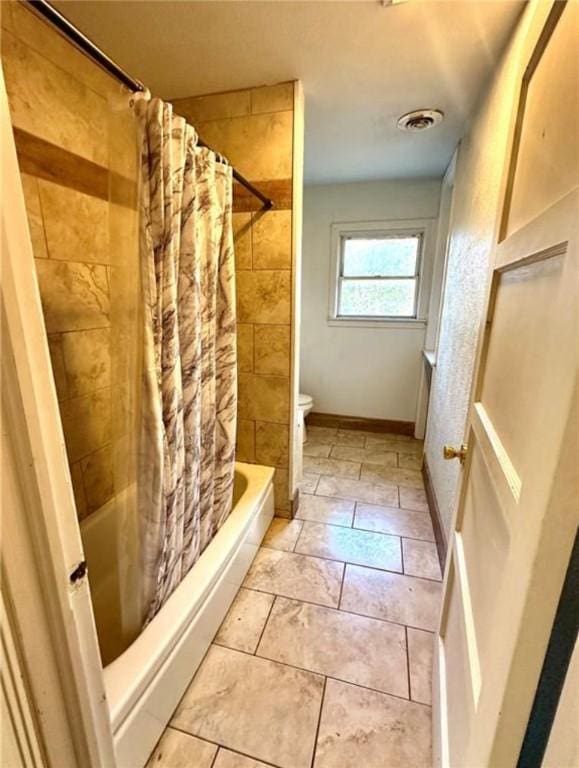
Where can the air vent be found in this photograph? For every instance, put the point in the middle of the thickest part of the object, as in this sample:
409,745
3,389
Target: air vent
420,119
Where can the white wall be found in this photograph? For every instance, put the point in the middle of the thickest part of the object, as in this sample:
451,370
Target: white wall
370,372
436,290
439,267
473,229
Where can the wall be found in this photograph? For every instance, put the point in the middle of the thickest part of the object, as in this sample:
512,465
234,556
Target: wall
436,289
439,267
474,223
76,142
254,129
356,371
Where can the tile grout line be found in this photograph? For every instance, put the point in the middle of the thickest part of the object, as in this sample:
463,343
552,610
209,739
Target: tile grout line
339,606
341,586
399,535
316,485
264,625
224,746
317,734
402,557
250,757
361,501
379,486
253,369
335,608
331,458
361,565
408,664
320,674
358,565
298,537
353,525
217,751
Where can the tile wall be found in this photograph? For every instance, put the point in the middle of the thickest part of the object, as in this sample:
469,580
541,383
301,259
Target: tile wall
81,241
254,129
63,103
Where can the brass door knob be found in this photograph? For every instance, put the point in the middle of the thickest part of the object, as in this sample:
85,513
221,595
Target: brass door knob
450,452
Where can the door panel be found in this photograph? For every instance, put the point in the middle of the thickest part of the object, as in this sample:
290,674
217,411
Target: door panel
461,705
483,521
548,161
526,315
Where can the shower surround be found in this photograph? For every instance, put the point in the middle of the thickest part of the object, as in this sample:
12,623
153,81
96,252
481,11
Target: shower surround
77,144
256,130
77,149
60,99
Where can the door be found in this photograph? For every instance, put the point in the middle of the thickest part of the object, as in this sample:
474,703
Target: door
517,512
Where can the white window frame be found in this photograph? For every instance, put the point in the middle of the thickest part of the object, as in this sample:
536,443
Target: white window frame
374,229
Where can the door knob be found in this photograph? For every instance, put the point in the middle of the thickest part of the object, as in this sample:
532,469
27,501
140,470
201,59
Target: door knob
450,452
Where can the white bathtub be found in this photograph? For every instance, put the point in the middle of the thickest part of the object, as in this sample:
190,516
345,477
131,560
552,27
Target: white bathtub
145,683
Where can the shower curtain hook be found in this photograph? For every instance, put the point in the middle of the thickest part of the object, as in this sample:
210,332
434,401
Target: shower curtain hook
137,96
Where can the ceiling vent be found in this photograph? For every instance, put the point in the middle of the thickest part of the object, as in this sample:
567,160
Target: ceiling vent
420,119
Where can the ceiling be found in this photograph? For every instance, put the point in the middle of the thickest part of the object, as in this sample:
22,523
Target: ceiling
362,65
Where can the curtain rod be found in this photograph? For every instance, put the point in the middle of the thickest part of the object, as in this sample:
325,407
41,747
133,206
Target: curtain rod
68,29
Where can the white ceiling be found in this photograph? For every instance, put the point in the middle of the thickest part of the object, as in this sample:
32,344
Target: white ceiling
362,65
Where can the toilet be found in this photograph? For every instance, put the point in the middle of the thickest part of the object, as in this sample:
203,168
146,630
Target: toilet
305,404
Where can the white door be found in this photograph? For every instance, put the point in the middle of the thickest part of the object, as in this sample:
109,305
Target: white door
518,506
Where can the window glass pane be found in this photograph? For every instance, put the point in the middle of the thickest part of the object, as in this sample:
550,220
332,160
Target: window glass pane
380,257
378,298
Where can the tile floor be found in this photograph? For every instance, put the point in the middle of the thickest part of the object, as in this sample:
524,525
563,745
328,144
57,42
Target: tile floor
324,659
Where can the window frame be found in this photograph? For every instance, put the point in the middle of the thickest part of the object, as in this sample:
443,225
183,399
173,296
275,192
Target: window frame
379,235
341,231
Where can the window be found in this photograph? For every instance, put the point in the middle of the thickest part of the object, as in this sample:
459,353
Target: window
378,275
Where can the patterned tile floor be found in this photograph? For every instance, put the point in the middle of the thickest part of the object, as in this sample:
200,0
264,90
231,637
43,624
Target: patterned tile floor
324,659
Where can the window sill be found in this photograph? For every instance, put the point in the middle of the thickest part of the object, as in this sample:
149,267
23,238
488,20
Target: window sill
383,323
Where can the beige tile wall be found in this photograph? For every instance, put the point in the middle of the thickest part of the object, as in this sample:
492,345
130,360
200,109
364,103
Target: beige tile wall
253,128
56,94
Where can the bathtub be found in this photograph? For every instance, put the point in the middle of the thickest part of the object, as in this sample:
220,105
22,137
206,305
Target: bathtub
145,683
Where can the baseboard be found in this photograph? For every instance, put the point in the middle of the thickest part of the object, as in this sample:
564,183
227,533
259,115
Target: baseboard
334,420
437,525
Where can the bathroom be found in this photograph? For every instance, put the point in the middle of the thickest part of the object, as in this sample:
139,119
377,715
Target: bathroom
264,424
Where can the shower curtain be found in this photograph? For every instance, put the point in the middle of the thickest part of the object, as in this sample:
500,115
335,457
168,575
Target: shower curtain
190,379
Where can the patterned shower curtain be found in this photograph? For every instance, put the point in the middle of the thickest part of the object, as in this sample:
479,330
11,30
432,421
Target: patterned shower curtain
190,383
